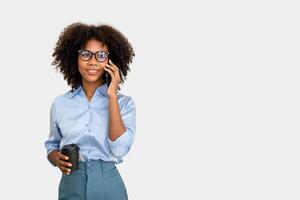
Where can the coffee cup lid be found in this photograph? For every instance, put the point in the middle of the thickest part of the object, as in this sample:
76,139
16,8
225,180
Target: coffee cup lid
71,146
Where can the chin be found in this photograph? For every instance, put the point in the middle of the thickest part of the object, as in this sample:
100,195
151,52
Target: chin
92,79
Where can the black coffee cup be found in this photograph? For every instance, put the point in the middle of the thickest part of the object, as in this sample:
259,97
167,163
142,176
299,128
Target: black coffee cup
72,151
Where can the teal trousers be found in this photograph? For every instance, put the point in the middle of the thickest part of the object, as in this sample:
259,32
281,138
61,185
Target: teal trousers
95,180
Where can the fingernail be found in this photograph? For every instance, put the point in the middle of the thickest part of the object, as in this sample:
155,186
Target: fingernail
70,165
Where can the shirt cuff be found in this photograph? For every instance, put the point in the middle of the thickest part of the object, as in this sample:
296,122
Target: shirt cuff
123,139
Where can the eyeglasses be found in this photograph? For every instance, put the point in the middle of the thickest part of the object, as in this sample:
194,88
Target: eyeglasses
86,55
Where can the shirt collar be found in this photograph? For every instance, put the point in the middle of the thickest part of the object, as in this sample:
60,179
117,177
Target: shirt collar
102,89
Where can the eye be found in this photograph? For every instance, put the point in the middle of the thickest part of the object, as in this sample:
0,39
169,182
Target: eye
85,54
101,55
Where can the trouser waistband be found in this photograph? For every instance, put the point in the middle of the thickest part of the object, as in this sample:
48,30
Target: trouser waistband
96,164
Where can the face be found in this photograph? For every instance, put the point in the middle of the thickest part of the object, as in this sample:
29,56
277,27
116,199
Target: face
90,68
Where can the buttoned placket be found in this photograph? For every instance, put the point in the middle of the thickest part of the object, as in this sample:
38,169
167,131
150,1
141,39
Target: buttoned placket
89,107
98,92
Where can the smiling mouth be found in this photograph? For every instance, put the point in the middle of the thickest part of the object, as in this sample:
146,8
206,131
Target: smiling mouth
92,71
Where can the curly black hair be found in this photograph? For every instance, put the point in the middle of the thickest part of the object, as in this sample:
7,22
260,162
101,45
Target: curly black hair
75,37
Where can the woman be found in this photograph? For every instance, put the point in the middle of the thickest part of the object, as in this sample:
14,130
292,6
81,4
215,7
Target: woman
93,114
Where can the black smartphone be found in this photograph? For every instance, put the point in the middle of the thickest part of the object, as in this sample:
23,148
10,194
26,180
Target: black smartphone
107,77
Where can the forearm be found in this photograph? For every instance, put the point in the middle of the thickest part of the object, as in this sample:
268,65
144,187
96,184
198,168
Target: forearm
116,125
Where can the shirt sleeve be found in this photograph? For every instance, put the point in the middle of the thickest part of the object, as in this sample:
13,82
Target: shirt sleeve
53,142
121,146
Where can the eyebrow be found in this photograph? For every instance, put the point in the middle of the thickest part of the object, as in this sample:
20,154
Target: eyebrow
95,51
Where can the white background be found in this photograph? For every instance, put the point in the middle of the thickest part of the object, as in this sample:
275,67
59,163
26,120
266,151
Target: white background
216,85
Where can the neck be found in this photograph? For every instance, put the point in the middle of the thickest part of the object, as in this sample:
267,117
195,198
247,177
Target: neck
89,88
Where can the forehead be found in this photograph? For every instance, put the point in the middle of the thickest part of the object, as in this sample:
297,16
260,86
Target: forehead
95,45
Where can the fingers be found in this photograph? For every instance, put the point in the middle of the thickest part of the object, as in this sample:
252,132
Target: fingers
111,63
61,162
112,75
65,164
113,70
112,66
62,156
65,170
109,70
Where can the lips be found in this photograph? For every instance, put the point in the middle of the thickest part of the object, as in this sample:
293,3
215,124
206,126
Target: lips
92,71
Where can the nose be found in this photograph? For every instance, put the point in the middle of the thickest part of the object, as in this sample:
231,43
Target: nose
93,61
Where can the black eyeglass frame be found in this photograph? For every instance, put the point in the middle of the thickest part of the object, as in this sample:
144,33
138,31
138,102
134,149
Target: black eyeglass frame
93,54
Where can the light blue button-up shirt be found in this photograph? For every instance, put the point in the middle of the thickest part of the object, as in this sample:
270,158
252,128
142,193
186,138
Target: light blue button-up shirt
73,119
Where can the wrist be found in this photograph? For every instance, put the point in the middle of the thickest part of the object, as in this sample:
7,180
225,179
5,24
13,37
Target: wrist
112,96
